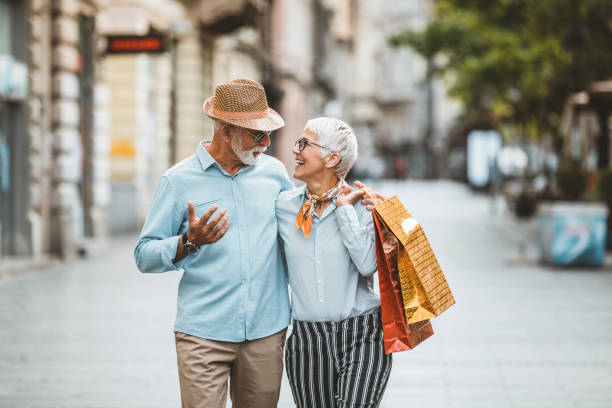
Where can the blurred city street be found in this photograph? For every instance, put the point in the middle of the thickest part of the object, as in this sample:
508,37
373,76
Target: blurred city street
492,122
95,332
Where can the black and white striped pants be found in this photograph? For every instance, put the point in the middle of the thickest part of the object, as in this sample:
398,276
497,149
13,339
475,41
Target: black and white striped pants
338,364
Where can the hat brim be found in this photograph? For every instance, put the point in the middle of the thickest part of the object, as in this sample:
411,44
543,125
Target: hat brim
268,123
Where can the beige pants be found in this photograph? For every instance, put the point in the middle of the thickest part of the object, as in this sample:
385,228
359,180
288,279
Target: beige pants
255,368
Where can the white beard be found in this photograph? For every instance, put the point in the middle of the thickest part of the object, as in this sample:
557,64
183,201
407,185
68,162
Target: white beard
246,156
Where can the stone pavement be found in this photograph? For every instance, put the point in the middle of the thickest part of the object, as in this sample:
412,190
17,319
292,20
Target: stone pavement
97,333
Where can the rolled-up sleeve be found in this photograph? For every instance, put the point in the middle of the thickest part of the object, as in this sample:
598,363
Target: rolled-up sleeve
357,230
159,238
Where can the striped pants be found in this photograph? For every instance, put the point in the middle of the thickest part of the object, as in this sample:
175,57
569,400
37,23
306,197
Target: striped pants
338,364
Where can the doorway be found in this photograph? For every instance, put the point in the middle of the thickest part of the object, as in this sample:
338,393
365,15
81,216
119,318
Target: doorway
14,143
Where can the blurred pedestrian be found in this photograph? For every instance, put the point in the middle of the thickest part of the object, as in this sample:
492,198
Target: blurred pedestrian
335,355
233,307
399,167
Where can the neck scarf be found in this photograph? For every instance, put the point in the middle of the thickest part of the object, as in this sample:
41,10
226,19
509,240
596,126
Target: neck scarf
304,216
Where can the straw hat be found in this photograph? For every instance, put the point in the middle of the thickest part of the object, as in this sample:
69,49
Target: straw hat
243,103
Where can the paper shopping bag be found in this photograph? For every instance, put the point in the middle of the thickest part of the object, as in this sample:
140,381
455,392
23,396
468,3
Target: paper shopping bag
425,291
398,334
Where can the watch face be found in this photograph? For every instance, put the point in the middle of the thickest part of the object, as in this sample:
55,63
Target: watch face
189,247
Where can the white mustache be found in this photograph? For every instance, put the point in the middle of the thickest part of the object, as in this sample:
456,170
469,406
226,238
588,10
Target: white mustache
259,149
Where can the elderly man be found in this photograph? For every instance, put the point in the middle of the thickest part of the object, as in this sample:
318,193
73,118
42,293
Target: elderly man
233,307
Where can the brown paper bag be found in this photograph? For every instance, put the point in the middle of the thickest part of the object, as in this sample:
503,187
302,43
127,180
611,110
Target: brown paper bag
425,291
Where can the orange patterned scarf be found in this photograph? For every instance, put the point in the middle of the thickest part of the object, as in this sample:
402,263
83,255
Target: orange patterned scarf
304,216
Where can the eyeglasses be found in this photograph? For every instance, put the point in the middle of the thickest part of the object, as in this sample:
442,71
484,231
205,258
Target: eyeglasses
303,142
257,137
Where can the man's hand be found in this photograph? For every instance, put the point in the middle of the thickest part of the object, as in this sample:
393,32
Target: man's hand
370,200
201,230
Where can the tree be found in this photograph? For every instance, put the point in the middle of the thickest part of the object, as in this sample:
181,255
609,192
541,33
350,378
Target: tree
517,59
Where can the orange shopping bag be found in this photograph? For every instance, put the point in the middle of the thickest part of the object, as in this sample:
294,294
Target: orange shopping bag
413,288
398,335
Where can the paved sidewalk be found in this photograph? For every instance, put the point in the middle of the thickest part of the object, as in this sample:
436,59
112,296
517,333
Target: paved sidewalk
97,333
520,335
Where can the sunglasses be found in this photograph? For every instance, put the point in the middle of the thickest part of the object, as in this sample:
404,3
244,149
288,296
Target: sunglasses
257,137
303,142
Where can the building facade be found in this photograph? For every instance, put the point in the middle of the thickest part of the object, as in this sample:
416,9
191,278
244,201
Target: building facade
156,99
57,177
15,231
140,85
85,134
332,58
402,113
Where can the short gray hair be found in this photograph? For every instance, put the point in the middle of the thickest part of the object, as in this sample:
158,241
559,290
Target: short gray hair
338,137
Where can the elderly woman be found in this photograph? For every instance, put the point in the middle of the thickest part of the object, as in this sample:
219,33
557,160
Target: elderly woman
335,355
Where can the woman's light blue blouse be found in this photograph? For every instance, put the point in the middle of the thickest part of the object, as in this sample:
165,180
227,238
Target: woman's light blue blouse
331,272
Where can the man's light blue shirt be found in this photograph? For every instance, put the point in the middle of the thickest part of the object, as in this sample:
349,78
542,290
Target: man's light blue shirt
234,289
331,272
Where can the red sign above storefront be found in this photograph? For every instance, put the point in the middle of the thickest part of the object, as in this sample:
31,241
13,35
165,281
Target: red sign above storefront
129,44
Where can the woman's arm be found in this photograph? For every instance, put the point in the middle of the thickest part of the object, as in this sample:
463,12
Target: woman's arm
357,230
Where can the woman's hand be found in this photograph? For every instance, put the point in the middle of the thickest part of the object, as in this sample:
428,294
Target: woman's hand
349,196
370,201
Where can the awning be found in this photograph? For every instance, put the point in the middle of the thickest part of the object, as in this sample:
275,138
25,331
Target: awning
225,16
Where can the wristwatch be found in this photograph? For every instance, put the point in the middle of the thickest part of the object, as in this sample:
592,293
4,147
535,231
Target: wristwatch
189,246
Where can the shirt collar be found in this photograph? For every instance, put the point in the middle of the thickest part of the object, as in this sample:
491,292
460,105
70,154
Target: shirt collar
206,160
300,191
